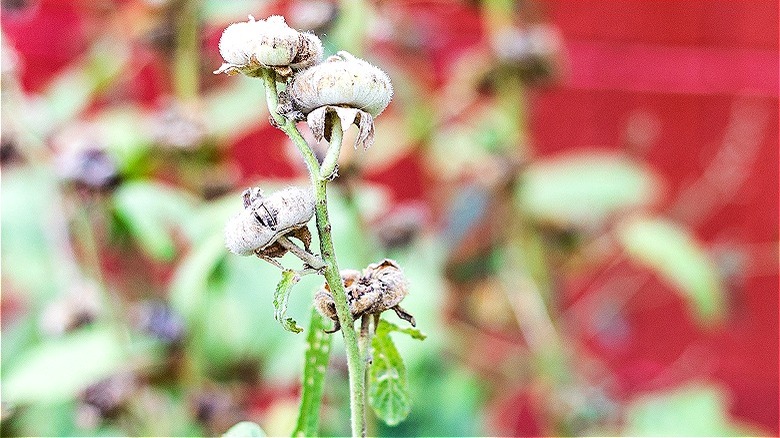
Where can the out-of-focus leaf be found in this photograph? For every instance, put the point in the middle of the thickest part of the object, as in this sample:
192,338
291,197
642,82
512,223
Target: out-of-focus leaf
282,294
245,429
675,255
315,366
74,89
59,369
388,391
29,205
190,280
219,12
152,212
584,188
463,146
688,411
353,246
127,138
235,110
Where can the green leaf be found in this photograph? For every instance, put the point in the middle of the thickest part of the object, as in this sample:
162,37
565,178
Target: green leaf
57,370
245,429
388,392
584,189
316,364
282,294
689,411
152,212
679,259
388,327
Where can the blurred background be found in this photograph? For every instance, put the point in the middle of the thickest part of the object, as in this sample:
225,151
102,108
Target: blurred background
583,194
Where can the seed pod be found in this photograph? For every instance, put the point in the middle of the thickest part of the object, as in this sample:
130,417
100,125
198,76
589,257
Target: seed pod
249,46
342,80
323,299
265,219
381,286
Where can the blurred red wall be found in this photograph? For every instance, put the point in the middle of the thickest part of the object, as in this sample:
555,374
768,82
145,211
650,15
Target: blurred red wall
689,68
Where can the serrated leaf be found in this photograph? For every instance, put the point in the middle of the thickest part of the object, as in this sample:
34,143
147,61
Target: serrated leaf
58,369
388,392
689,411
584,188
245,429
316,364
387,327
282,294
152,212
679,259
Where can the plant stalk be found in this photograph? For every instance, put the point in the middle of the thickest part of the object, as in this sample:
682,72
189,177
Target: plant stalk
355,362
186,65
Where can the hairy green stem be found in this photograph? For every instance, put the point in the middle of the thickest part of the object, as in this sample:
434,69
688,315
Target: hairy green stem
330,163
355,361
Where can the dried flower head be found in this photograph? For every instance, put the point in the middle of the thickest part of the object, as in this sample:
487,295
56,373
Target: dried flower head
250,46
264,219
343,86
381,286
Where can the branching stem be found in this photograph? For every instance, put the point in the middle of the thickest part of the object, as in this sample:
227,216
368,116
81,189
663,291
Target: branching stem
355,361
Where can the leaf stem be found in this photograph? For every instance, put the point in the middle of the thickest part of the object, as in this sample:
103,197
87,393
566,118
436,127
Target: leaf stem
309,259
355,362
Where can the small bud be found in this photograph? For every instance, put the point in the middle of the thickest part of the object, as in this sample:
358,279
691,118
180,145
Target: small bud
265,219
249,46
381,286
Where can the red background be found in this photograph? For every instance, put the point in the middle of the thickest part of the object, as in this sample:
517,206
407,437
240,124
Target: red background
684,62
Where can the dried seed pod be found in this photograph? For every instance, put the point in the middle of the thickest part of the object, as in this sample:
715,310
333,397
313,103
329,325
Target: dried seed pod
342,80
249,46
323,299
381,286
265,219
342,86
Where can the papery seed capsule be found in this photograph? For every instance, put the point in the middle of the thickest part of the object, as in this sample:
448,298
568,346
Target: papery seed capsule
323,299
342,80
248,46
265,219
379,287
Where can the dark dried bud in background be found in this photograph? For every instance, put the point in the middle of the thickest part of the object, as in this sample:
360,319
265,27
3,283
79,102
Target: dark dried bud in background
161,321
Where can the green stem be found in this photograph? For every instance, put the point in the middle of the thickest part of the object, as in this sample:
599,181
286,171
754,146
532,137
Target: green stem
330,163
186,65
355,363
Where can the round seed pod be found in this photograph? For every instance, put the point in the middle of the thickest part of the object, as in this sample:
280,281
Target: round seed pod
342,80
265,219
250,45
